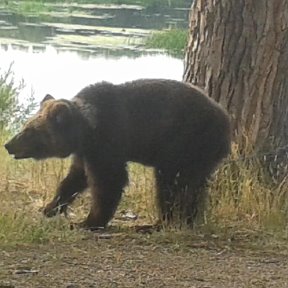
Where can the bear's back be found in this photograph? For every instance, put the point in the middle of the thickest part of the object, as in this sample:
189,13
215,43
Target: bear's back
152,97
143,116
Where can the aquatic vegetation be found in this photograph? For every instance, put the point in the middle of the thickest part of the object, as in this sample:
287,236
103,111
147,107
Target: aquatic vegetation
38,6
27,7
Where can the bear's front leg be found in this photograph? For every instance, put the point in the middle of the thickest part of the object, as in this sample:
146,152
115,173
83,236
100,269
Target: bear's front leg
107,185
73,184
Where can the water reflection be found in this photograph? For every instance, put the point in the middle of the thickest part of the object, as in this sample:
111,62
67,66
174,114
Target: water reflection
93,24
64,73
66,47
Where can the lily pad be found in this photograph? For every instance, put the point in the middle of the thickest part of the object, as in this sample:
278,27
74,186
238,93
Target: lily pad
102,29
97,6
21,43
8,28
5,41
66,14
95,41
30,24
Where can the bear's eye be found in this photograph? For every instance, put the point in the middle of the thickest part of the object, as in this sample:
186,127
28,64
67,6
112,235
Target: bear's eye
60,117
59,124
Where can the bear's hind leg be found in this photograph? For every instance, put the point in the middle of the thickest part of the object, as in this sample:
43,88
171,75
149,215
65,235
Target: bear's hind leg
165,185
181,196
192,195
107,185
73,184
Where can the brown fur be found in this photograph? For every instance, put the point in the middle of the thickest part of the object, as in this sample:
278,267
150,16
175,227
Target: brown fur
169,125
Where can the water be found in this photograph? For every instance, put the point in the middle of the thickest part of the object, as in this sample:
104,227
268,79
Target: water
64,73
60,52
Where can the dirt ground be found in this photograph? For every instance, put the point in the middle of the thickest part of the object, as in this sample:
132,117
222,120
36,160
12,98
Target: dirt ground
119,260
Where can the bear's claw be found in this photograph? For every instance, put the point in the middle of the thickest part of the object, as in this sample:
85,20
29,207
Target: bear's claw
84,226
54,208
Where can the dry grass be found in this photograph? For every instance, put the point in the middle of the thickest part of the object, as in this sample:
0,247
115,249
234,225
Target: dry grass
240,200
27,185
242,194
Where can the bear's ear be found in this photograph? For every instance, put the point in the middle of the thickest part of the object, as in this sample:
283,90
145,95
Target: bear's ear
61,114
46,98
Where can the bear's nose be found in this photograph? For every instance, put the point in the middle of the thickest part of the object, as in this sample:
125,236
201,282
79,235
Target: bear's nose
9,147
6,146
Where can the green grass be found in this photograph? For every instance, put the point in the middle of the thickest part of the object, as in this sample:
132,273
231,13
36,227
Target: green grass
19,227
28,7
173,41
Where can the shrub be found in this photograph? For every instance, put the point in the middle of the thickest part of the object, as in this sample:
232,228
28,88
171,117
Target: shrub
12,111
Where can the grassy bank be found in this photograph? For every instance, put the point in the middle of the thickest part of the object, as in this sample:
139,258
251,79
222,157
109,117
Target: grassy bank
173,41
241,198
26,186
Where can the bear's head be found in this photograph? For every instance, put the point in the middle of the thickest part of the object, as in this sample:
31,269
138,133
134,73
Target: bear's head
49,133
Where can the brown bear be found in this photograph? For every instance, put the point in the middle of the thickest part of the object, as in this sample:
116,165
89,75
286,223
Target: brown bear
169,125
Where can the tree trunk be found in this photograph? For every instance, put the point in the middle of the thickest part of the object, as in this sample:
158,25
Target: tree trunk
238,52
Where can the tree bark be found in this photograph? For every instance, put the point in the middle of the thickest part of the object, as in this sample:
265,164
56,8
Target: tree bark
238,52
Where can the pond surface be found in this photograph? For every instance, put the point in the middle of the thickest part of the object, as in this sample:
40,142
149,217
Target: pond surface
65,47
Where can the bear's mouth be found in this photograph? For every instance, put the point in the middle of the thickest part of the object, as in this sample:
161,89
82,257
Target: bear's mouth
18,157
18,154
15,148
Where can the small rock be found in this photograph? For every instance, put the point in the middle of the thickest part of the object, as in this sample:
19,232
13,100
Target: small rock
25,271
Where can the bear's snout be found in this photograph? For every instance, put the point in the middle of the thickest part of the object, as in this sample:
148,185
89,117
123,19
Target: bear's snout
9,147
15,147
